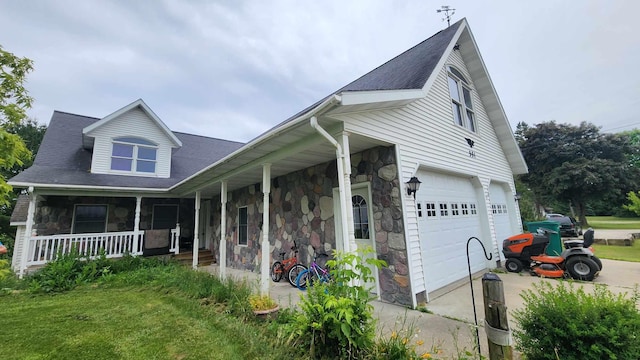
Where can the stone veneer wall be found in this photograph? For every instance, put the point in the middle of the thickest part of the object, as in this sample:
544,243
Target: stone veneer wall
301,208
54,214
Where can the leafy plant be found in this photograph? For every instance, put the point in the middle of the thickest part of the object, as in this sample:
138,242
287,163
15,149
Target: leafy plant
336,318
262,302
567,323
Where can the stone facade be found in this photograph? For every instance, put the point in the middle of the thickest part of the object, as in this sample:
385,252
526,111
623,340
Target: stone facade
301,209
54,214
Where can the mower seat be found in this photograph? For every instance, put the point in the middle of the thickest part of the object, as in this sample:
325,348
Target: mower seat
588,237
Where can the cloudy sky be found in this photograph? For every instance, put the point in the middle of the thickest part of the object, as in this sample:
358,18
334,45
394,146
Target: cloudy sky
233,69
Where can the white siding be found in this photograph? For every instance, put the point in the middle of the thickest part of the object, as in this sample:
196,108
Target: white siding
132,123
426,136
17,248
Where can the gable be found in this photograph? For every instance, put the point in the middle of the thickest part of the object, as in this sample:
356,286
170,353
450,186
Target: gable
132,124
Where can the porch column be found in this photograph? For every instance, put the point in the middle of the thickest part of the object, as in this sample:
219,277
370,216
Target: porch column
196,226
136,226
264,267
344,139
223,229
28,232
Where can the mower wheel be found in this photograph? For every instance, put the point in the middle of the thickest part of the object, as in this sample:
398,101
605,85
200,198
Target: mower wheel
597,260
582,268
513,265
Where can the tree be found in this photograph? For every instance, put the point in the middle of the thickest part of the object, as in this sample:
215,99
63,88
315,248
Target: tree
577,164
31,134
14,102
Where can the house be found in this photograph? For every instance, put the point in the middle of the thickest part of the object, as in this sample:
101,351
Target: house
334,177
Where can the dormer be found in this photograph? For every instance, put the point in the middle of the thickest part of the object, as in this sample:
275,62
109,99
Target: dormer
132,141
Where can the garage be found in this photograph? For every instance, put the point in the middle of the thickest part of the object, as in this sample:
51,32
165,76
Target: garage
500,211
448,215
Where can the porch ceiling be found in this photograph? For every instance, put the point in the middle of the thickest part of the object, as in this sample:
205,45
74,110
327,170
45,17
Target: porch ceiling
297,148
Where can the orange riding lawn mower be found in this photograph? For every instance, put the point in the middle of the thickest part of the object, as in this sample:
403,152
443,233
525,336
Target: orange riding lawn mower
527,251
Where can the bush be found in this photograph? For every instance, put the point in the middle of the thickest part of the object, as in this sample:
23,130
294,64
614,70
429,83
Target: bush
336,318
564,322
68,271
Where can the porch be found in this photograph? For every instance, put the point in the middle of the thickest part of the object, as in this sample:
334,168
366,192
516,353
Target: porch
44,249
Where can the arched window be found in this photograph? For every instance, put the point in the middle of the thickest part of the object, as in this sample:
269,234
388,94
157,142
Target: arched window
360,217
461,101
133,154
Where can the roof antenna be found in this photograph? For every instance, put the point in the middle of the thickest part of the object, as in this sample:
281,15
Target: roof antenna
445,9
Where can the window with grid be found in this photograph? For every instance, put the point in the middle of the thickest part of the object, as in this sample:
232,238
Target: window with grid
132,154
472,208
243,225
360,217
454,209
461,101
465,208
431,209
444,210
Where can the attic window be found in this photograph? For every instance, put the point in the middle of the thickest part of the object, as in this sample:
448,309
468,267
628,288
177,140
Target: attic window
133,154
461,101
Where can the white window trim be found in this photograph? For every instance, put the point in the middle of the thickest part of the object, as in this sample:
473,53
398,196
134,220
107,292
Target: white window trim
134,157
462,84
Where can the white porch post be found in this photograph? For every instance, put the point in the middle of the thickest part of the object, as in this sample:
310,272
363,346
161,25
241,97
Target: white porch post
136,226
223,229
347,191
28,231
264,268
196,226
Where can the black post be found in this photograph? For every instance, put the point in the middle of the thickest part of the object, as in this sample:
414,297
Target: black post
473,299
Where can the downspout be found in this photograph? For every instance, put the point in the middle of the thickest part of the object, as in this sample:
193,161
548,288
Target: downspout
313,121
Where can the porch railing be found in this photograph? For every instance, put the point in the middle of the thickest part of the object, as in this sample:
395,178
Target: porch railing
43,249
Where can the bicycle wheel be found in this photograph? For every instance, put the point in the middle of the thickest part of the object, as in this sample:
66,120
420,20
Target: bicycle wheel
276,271
293,273
302,279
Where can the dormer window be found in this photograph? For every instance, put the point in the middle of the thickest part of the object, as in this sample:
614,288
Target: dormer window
461,103
132,154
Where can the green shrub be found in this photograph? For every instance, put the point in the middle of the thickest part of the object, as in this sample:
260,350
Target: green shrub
336,319
564,322
68,271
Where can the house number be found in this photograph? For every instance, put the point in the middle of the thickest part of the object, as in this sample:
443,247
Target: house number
472,154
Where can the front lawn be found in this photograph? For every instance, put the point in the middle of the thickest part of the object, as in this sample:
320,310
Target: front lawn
101,322
613,222
616,252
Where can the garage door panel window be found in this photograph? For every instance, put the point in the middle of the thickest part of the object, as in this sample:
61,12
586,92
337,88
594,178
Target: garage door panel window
430,207
444,210
473,209
455,211
465,209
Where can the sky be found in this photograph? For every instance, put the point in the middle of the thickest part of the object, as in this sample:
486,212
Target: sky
234,69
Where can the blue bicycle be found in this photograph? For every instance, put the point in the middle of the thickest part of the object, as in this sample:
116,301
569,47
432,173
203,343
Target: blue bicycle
314,273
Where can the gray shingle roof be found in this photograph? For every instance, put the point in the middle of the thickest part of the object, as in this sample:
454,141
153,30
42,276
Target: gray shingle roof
409,70
21,209
62,159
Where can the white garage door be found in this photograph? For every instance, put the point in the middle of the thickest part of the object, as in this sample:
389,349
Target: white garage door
448,217
501,216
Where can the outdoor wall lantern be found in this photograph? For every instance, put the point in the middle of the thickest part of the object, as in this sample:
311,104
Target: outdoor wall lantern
517,197
412,186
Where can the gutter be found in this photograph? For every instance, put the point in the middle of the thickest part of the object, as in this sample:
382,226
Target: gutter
313,121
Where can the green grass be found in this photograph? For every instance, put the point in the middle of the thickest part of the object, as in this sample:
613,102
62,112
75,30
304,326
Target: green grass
615,252
124,323
613,222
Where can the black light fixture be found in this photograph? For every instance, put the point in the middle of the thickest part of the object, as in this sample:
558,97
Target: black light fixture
412,186
517,197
